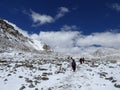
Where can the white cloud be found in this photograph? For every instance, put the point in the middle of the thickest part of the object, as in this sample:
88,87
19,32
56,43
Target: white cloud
105,39
60,39
75,42
35,36
69,28
62,12
40,19
72,41
116,6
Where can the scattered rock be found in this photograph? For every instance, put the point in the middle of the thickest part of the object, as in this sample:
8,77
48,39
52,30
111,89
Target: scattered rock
44,78
111,67
45,74
36,88
59,64
42,69
113,61
114,81
49,88
110,78
3,61
28,65
28,81
60,86
89,69
6,80
9,74
36,82
23,87
37,78
102,74
79,86
117,85
60,71
20,76
31,85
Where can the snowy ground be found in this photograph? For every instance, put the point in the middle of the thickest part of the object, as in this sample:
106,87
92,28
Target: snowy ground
27,71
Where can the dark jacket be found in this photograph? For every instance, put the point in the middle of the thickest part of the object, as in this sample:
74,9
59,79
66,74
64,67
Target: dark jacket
73,64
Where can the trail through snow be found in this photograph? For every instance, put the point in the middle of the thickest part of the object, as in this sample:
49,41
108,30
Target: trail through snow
85,78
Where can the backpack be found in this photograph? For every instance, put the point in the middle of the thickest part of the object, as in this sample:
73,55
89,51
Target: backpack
73,63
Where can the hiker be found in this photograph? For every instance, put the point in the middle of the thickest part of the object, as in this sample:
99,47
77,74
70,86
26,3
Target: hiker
81,60
73,64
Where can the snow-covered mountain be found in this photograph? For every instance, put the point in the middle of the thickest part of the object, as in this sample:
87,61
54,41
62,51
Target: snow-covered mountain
12,39
107,54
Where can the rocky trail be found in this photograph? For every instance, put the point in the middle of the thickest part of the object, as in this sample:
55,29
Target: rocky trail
55,73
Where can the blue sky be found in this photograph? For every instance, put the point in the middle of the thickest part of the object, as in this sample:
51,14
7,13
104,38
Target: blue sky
88,16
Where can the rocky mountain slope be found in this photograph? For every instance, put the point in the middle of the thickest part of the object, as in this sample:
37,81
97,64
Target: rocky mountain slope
11,39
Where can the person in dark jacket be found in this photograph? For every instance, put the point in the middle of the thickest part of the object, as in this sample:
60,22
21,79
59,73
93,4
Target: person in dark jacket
81,60
73,64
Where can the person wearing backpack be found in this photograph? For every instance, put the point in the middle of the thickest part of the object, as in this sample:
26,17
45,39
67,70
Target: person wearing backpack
73,64
80,60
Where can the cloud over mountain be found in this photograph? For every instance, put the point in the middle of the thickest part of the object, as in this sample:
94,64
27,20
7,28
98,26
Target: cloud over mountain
73,41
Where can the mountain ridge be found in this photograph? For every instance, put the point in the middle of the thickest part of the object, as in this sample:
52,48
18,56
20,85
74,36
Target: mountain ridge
12,39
